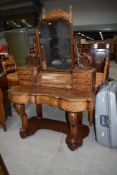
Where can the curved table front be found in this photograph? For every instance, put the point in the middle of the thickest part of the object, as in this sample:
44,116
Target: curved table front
72,101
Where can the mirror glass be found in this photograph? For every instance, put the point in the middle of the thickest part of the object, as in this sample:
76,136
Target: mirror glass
55,44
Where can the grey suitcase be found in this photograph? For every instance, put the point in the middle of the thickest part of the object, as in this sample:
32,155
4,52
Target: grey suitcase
106,115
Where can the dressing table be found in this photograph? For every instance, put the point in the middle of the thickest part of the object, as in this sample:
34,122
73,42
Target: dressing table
58,82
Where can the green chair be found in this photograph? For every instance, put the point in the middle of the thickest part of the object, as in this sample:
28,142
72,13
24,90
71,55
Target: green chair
18,43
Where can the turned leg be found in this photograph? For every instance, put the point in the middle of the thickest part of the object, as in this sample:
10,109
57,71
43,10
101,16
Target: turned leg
90,117
80,115
4,127
90,113
20,108
73,140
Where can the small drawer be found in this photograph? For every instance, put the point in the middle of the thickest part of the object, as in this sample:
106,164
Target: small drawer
24,72
25,77
25,83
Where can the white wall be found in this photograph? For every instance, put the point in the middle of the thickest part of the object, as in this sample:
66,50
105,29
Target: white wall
87,12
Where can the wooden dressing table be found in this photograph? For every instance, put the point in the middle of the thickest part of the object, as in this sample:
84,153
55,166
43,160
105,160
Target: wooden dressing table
58,83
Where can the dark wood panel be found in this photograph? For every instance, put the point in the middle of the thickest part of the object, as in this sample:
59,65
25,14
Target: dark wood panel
5,106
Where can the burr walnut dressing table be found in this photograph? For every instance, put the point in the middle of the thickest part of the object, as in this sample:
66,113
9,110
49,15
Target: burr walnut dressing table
57,82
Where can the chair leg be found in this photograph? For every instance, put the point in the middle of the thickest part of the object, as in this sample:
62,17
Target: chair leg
90,113
39,110
24,130
90,117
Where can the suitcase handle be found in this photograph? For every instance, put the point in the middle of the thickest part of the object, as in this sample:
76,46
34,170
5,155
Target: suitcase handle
104,120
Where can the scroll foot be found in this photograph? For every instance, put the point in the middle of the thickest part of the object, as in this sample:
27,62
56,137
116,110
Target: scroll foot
24,133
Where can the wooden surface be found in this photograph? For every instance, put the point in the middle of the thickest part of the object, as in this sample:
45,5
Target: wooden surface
2,114
9,68
75,131
83,79
54,79
58,13
64,87
53,96
27,75
9,64
99,53
68,100
3,169
12,79
101,77
5,106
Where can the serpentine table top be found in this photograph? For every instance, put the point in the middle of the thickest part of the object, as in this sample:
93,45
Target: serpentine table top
53,96
71,101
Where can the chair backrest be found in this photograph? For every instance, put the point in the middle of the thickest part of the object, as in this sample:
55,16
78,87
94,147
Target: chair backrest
99,52
100,55
101,77
18,44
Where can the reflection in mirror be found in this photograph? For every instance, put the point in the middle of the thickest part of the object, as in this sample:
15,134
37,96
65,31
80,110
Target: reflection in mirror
55,44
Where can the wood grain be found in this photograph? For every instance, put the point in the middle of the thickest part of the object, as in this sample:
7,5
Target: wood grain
83,79
27,75
71,90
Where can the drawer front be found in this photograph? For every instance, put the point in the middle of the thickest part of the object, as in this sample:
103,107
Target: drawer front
25,83
25,77
25,71
83,80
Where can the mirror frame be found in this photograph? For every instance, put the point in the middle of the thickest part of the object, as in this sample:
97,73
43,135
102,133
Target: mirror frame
39,50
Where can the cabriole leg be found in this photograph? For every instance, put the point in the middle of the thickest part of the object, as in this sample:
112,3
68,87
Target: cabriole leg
73,140
20,108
